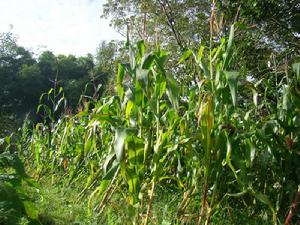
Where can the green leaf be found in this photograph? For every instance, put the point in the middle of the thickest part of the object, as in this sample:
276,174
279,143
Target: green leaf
228,158
103,117
227,55
108,162
129,107
87,145
138,94
31,211
255,96
147,61
286,103
132,58
120,77
111,172
142,76
60,90
296,68
173,91
229,150
185,56
58,103
103,186
158,143
133,183
232,77
263,198
120,137
252,151
217,51
141,48
200,54
204,67
161,57
160,86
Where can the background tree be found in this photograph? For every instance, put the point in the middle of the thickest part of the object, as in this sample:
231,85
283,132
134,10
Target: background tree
107,57
168,22
48,65
30,85
265,28
12,59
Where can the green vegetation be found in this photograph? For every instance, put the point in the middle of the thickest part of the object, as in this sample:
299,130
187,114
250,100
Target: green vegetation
24,78
185,131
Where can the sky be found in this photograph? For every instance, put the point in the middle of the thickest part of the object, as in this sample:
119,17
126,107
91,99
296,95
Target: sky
61,26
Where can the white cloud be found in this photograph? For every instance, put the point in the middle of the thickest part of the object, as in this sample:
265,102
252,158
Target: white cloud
64,26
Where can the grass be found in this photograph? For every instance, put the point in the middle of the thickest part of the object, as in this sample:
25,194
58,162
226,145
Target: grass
59,205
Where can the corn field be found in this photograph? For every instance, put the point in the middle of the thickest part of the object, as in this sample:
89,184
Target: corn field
206,140
216,141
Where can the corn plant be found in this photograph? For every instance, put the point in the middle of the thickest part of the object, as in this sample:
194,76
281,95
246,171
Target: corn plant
202,139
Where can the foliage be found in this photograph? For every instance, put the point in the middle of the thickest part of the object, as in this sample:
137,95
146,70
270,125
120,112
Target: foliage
15,205
13,58
30,84
47,64
196,133
163,21
267,29
23,79
58,204
201,140
283,18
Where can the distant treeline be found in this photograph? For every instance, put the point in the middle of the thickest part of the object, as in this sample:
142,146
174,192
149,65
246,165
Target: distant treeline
25,76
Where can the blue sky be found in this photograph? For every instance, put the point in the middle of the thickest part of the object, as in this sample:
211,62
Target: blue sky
61,26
